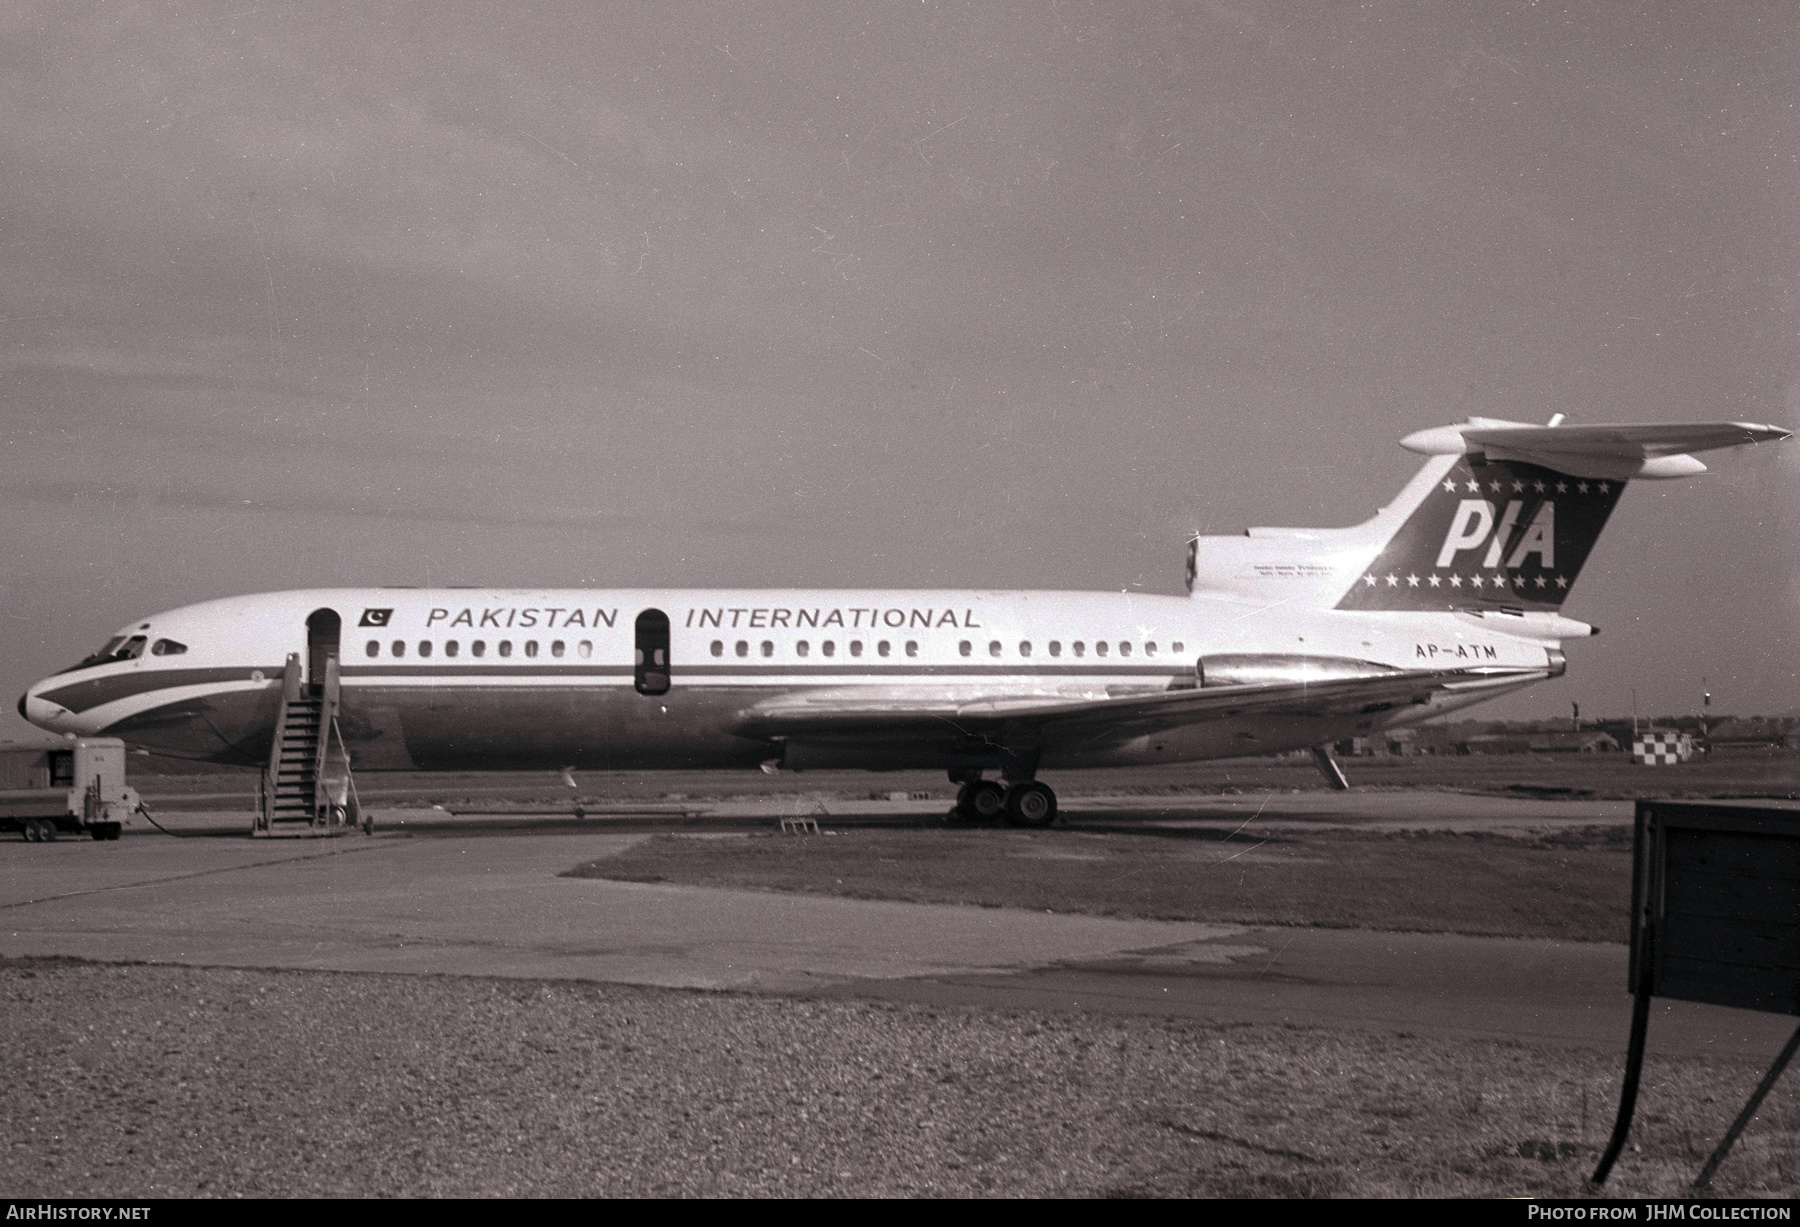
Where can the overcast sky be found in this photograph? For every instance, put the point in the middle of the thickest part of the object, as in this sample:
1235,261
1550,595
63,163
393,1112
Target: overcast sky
914,294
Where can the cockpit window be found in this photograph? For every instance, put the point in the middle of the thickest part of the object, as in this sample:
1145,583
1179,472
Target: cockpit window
167,647
118,648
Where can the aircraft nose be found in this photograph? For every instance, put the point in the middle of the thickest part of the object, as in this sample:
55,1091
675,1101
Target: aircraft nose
41,712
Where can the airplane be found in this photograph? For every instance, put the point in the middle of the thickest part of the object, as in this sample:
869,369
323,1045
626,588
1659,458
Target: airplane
1288,639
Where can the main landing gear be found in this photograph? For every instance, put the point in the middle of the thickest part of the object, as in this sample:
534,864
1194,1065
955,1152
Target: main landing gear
1024,803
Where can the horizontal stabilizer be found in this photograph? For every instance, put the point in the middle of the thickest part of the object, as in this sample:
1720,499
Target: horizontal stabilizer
1614,451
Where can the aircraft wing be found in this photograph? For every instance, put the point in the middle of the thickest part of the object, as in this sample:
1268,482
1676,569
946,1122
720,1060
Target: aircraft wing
865,715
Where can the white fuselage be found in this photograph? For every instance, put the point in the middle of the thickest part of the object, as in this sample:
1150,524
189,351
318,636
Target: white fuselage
530,678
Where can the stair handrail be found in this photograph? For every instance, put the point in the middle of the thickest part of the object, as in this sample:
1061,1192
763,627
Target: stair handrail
355,806
328,702
290,690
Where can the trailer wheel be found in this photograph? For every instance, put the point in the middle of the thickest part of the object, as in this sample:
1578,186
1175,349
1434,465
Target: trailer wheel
47,830
31,831
98,831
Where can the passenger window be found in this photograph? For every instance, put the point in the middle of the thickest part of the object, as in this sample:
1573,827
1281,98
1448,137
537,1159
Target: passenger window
802,648
829,647
768,648
993,647
1056,647
478,648
424,647
373,648
556,648
531,647
1100,648
1080,648
964,647
586,649
881,649
1124,648
718,647
1149,649
856,647
1025,647
1177,647
451,647
743,648
912,647
167,647
506,647
399,647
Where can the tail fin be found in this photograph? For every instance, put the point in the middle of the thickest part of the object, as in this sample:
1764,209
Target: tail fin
1503,515
1492,534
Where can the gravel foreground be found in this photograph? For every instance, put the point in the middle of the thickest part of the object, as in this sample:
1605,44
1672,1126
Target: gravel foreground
147,1081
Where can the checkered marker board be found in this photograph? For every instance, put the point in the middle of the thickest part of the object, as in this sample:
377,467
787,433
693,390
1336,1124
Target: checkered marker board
1662,749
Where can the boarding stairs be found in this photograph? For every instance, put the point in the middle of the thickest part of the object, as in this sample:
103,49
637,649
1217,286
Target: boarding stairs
307,788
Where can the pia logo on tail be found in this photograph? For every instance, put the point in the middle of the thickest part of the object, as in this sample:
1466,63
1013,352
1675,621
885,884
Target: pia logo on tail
1473,526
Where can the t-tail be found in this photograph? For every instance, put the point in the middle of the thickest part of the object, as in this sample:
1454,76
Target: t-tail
1502,516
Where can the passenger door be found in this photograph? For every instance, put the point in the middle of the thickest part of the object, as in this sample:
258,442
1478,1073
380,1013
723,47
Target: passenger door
651,670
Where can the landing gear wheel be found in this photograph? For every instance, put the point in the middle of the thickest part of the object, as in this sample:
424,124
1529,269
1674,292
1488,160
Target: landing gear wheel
1030,804
980,801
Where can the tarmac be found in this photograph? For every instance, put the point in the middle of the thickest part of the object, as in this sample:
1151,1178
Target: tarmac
435,893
